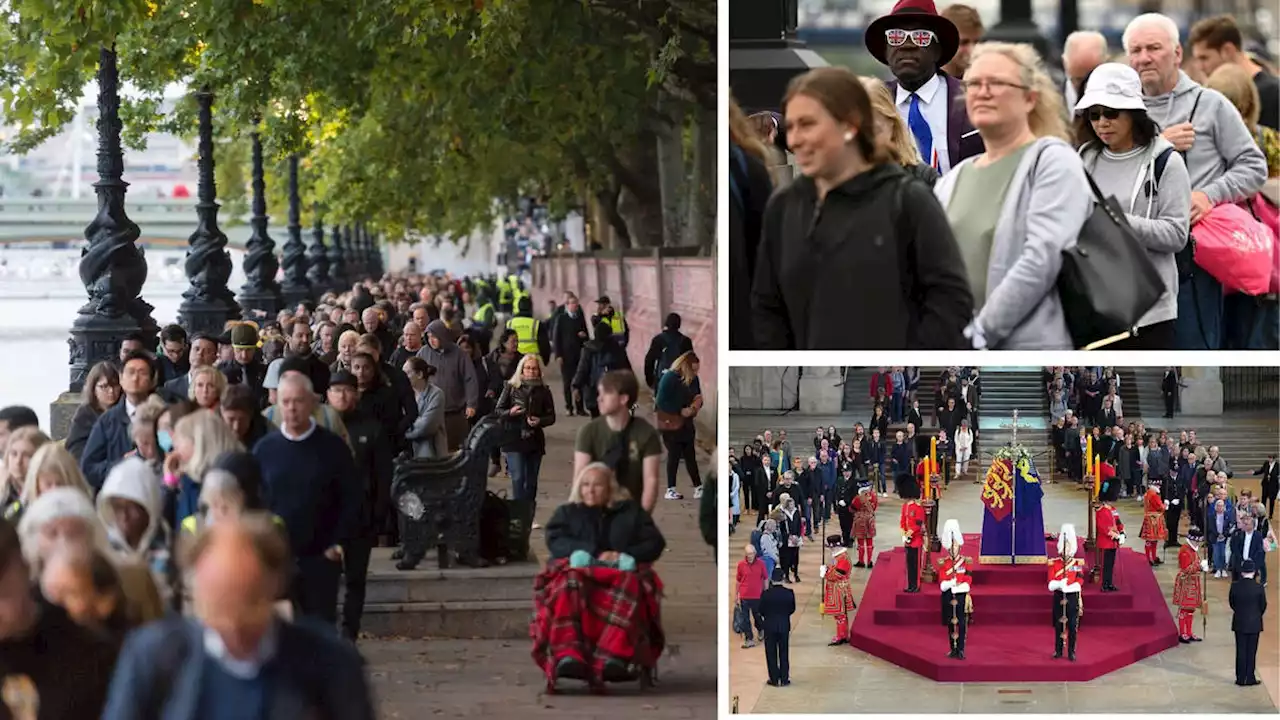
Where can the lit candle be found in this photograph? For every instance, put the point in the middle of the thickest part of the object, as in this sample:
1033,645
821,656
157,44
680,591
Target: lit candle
1097,476
1088,455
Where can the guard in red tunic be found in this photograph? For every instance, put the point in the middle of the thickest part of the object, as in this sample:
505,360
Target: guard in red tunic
864,524
837,595
1065,573
955,581
1153,528
1188,592
911,521
1110,534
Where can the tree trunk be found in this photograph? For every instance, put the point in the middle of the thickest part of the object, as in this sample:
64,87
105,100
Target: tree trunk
701,226
640,201
671,168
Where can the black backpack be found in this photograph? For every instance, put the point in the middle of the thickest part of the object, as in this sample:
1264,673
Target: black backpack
504,528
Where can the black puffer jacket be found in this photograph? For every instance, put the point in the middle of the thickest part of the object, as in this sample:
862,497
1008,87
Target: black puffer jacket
876,244
623,527
537,402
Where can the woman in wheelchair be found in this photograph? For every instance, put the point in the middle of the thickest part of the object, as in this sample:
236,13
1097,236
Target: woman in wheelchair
596,604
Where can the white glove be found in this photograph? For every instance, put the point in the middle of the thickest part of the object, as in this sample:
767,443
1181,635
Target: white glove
1175,502
841,503
1055,585
1204,565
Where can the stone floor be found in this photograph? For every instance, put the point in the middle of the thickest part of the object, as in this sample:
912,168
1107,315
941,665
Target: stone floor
498,679
1197,678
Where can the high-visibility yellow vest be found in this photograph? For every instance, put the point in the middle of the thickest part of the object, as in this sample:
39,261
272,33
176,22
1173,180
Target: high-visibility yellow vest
483,314
504,292
617,324
526,333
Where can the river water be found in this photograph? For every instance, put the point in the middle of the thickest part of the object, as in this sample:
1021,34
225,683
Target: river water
39,296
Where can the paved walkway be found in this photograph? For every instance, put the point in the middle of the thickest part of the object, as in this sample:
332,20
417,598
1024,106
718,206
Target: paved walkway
1189,678
498,678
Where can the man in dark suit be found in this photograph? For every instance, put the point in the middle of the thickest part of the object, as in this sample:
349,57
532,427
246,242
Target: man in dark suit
1270,472
915,42
110,437
1169,391
1246,545
1248,601
777,605
235,657
204,351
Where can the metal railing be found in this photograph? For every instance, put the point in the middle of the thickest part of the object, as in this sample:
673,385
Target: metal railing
1250,388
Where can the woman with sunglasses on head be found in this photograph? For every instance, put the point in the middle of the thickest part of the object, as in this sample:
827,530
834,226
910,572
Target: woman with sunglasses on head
855,231
1129,160
1017,206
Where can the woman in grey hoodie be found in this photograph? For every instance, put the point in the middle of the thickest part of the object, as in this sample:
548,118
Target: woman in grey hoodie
1121,148
1017,206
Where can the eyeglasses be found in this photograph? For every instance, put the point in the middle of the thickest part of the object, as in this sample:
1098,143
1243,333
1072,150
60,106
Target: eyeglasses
993,86
920,38
1096,114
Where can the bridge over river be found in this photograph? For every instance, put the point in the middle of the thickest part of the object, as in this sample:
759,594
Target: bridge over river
164,222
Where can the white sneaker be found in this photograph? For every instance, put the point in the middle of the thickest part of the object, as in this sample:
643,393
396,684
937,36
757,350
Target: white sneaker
673,495
697,492
536,526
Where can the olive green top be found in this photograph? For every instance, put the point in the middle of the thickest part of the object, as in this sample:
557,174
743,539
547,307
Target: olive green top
974,210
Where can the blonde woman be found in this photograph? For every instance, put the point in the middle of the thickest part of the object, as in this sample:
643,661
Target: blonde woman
198,438
207,384
21,446
892,133
678,401
526,406
52,466
144,430
749,189
1017,206
600,526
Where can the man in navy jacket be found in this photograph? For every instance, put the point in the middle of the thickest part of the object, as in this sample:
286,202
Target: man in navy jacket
110,438
237,658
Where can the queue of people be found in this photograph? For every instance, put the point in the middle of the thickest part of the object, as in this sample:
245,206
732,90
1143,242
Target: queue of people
973,258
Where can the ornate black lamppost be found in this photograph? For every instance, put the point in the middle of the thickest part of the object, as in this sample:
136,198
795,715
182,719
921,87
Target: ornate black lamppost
296,285
375,247
260,292
351,254
337,261
208,304
317,258
112,267
362,242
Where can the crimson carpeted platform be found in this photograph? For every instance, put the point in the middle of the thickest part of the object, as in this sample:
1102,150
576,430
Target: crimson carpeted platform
1010,634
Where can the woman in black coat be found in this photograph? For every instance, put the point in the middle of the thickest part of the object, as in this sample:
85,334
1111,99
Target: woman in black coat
101,391
602,525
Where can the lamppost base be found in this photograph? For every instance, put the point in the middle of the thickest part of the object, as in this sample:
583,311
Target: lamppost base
294,294
202,316
95,338
257,304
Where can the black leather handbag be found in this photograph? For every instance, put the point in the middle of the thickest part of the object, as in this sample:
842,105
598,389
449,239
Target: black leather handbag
1107,282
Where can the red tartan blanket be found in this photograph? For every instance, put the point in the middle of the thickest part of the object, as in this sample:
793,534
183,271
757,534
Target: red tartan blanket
596,614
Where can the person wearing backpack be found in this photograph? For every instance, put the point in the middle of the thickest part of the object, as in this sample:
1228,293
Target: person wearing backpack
749,191
629,445
600,355
1122,149
665,348
855,231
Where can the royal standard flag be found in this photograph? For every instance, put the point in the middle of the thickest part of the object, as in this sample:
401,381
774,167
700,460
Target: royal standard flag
1030,492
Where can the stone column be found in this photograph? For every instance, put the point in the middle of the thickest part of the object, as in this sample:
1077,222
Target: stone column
261,292
1203,392
296,285
318,258
112,267
818,392
208,304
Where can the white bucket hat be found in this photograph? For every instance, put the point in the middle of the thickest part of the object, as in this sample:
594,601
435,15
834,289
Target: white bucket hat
1114,86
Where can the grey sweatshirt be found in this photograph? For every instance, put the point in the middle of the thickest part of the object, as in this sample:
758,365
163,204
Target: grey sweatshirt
455,374
1224,162
1041,216
1160,220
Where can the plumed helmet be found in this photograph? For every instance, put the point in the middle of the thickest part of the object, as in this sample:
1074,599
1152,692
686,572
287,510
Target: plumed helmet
951,534
1067,540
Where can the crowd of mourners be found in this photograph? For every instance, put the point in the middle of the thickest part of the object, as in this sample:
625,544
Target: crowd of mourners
214,491
953,190
1186,475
